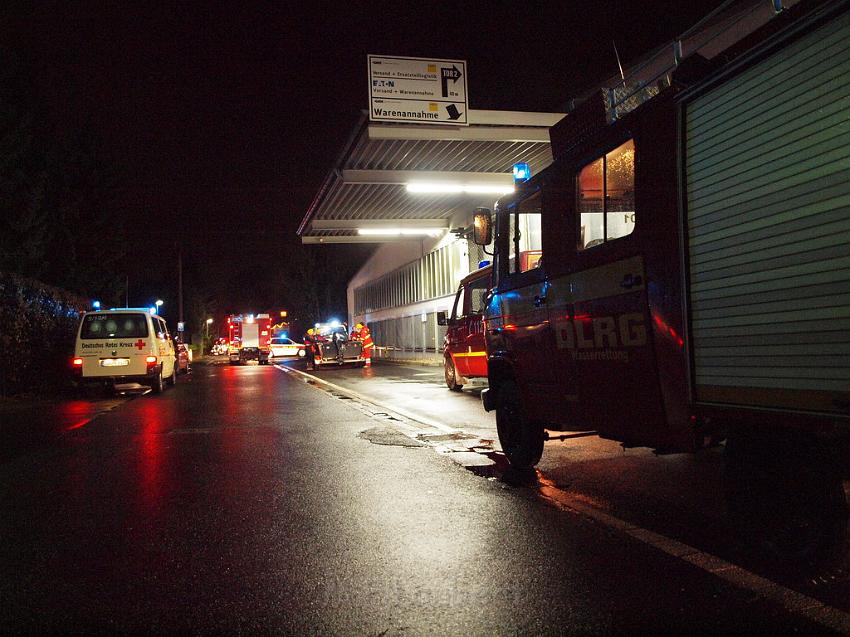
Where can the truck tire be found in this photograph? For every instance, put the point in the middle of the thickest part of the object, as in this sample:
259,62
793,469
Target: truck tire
521,438
787,502
450,372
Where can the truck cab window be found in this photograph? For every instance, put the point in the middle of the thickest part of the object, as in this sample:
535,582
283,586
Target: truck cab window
477,292
525,234
606,197
457,310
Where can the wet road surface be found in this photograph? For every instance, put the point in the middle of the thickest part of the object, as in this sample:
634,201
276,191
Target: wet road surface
247,501
677,495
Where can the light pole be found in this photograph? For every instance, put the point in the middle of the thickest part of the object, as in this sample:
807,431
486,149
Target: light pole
158,304
208,323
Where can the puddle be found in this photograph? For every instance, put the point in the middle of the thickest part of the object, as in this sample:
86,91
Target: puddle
389,436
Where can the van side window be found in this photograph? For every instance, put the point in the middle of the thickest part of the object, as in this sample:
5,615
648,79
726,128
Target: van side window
525,236
606,197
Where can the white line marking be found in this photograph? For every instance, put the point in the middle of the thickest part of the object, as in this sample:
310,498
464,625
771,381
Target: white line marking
366,399
792,601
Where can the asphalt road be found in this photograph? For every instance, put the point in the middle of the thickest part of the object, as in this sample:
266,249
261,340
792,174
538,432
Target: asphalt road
248,501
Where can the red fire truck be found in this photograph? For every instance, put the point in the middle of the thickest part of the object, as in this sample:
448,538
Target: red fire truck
693,283
464,353
249,338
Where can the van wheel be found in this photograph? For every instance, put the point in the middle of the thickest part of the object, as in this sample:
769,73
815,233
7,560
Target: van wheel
172,380
451,375
158,385
521,439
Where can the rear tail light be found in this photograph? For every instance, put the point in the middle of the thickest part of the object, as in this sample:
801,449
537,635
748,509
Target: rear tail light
77,366
77,362
150,359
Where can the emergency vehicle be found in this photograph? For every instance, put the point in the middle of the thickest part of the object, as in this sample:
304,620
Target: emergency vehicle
249,338
123,346
464,350
693,278
333,346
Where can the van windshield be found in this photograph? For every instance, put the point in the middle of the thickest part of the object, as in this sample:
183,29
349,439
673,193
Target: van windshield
114,326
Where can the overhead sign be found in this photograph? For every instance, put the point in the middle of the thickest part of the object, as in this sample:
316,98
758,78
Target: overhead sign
403,89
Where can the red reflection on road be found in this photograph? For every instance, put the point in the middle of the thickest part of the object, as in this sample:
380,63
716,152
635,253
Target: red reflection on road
151,454
78,412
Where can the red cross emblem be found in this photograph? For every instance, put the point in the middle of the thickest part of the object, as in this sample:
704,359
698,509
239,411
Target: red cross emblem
140,344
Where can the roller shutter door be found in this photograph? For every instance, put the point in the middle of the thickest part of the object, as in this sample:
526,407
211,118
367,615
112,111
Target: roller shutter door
767,182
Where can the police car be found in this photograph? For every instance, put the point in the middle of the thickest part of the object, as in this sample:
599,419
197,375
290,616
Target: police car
127,345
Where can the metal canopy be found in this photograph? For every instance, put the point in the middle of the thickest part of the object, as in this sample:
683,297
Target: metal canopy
368,186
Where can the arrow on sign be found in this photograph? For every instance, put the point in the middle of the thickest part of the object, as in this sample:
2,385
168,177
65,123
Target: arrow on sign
451,109
452,74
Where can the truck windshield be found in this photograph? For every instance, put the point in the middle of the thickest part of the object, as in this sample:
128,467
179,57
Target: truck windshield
525,235
123,325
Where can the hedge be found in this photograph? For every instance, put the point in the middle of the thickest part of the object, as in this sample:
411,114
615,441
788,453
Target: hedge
37,326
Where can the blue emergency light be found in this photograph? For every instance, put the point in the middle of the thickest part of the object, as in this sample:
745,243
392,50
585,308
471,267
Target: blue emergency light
483,263
522,172
95,304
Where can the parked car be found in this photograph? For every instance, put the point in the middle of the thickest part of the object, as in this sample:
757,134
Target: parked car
219,348
282,347
184,358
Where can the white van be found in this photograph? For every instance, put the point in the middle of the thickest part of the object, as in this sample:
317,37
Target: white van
120,346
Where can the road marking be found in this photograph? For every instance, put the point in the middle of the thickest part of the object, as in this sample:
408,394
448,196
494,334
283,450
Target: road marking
393,408
793,602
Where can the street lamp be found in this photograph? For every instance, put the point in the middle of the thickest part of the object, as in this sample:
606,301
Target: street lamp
208,322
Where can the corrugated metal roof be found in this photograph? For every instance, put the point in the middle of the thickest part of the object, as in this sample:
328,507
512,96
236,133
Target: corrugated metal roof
384,149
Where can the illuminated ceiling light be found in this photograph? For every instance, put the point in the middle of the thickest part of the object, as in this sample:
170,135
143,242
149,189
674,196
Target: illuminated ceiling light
394,232
478,189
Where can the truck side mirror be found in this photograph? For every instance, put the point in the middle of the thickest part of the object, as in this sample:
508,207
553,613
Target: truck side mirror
482,227
441,318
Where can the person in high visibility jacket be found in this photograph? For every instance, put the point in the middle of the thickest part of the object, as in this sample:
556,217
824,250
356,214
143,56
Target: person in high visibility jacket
310,340
362,333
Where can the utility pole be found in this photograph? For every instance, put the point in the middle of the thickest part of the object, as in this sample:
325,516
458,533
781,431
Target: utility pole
180,291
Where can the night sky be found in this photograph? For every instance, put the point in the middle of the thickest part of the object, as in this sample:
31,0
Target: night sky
225,117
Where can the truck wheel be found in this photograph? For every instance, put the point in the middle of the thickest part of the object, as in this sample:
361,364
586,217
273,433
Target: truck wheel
521,439
788,503
451,375
158,385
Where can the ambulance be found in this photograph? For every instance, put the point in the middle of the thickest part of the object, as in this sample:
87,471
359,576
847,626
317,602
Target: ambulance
122,346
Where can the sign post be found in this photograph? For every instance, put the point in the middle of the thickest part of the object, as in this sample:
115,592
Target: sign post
420,90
